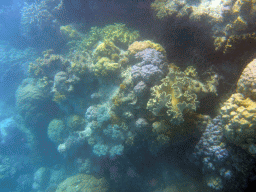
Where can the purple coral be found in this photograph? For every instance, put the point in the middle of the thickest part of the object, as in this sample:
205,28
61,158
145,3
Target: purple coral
152,67
140,89
210,144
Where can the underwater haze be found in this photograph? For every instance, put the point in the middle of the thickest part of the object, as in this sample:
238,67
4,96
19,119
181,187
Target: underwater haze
121,96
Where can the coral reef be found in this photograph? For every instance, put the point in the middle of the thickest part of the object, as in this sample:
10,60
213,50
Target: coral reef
83,182
226,18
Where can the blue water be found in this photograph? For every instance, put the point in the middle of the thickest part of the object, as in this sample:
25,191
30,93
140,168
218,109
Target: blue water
70,108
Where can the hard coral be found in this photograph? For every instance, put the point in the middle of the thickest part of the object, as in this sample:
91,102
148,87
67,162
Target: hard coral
138,46
247,81
239,115
83,182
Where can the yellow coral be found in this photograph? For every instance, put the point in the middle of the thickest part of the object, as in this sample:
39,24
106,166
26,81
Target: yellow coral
106,49
138,46
177,94
119,34
105,67
70,33
246,83
239,115
239,24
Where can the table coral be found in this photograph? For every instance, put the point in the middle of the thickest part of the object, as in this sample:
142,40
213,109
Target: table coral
239,115
83,182
247,81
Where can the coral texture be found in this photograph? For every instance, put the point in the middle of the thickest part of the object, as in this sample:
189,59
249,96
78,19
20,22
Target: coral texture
83,182
247,81
239,115
178,94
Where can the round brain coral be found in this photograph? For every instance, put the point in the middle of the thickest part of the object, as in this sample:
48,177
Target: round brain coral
247,81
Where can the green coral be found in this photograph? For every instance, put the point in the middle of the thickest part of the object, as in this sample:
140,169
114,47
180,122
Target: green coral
177,95
57,131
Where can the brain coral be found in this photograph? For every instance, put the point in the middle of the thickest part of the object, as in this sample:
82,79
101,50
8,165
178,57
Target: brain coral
239,115
247,81
82,183
177,94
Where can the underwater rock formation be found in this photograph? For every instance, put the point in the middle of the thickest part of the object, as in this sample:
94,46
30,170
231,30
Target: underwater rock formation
225,18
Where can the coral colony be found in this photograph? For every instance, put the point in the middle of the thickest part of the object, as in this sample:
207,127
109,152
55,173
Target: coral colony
122,112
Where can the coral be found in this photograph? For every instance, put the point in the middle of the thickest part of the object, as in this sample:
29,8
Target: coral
33,100
105,67
100,149
36,17
225,18
83,182
235,42
211,146
57,131
70,33
106,49
247,81
239,115
177,95
75,123
214,182
140,89
138,46
48,66
151,68
41,178
119,34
